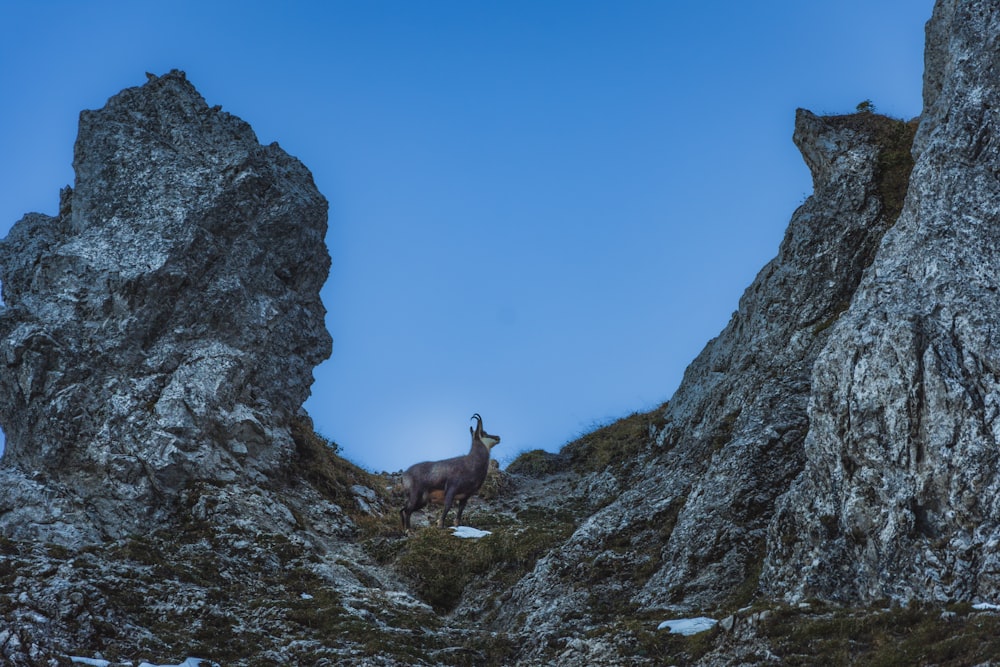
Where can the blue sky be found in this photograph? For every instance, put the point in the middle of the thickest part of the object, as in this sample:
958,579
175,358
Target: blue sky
539,211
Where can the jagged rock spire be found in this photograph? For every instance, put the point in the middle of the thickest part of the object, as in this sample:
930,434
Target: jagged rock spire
164,326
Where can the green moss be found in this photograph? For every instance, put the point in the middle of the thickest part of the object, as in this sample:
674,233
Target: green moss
627,560
746,592
58,551
322,612
8,547
317,461
497,483
831,319
637,637
440,566
894,162
494,649
723,432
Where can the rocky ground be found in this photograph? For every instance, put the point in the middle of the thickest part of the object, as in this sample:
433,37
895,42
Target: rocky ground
320,585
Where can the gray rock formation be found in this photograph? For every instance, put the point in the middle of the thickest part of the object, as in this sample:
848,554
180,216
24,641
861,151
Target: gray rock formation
163,328
688,529
900,496
839,439
162,493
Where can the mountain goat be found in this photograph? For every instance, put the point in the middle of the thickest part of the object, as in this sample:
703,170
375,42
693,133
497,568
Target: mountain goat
450,480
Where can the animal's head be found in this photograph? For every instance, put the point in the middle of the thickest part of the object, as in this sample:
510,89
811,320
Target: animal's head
478,433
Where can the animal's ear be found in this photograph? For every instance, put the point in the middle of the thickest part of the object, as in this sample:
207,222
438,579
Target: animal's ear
471,431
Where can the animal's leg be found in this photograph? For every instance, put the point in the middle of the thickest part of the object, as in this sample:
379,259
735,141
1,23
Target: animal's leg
461,508
449,498
414,502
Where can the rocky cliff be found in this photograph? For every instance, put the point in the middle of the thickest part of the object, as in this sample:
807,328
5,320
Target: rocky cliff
839,440
162,493
899,495
164,326
837,443
688,528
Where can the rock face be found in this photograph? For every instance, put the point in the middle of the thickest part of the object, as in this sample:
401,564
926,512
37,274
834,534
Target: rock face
164,326
840,439
900,496
162,492
688,530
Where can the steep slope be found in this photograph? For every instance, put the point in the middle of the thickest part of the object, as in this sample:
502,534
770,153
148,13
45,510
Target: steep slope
688,528
839,439
899,496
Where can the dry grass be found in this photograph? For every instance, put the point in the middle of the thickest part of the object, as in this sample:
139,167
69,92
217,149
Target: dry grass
616,445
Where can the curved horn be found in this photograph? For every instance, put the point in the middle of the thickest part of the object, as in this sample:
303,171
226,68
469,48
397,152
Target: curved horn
479,419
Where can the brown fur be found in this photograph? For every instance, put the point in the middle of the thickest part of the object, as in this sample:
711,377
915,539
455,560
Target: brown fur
450,480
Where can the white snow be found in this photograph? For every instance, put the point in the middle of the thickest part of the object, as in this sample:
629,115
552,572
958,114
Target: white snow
469,532
688,626
306,596
983,606
98,662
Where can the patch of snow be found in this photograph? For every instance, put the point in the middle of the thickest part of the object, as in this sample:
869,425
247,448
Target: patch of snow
986,606
100,662
306,596
688,626
469,532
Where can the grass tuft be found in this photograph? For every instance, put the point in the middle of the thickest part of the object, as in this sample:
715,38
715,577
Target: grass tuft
536,463
614,446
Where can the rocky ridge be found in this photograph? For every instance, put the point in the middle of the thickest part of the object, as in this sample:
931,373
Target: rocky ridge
692,513
161,488
835,443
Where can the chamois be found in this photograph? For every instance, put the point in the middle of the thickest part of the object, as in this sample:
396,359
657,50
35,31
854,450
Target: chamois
455,479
